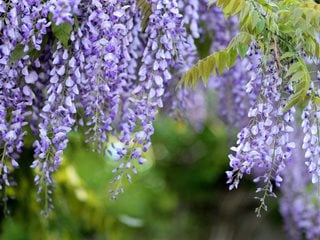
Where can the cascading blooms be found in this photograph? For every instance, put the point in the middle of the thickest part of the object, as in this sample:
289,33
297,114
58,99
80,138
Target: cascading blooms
107,67
94,65
299,204
265,98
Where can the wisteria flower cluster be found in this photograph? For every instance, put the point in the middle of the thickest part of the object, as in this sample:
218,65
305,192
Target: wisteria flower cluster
299,204
93,65
277,142
107,67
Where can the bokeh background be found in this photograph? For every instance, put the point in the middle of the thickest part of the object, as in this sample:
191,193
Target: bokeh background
180,193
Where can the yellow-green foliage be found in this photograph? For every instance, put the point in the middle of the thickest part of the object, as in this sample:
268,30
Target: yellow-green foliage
230,7
289,27
219,61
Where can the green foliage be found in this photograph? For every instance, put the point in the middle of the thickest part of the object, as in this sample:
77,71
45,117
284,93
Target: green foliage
230,7
299,75
62,32
158,206
219,61
145,7
288,27
18,53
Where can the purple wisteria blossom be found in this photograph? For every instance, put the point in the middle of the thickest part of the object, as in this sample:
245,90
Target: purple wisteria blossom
299,202
310,126
264,144
107,75
107,67
62,10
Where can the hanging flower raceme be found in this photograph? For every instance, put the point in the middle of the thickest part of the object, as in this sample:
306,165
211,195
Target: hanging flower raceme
182,102
264,144
22,26
73,57
310,125
299,203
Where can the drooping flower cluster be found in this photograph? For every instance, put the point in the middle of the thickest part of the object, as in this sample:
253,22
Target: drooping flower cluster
92,65
299,204
107,68
264,144
182,102
310,126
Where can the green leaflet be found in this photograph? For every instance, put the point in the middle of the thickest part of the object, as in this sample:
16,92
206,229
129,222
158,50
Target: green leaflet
260,26
288,55
62,32
300,76
243,49
229,7
18,53
294,100
217,62
293,68
212,64
146,12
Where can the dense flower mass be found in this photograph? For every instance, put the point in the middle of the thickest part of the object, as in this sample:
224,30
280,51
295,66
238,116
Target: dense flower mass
299,204
264,143
107,67
101,66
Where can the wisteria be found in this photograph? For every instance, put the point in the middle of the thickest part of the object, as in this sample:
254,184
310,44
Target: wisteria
107,68
264,143
80,68
299,204
310,126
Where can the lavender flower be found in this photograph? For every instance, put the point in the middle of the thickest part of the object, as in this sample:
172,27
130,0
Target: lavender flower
264,143
165,39
299,203
63,10
310,126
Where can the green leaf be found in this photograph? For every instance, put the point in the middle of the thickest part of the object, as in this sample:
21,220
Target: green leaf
229,7
297,13
17,53
244,14
243,49
288,55
222,61
62,32
232,57
34,53
297,76
76,23
260,26
297,97
293,68
146,12
255,18
286,29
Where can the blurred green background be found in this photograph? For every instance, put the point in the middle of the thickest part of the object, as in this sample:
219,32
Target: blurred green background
180,193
